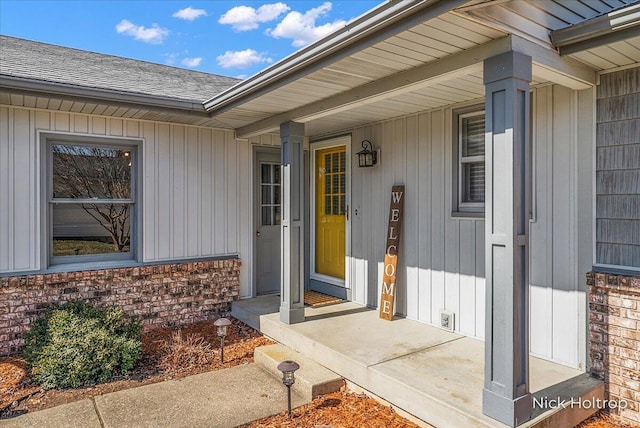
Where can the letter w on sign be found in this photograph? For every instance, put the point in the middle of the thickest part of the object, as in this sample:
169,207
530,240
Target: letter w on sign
391,253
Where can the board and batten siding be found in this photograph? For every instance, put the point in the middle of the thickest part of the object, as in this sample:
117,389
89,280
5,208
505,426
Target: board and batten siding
441,262
618,169
196,192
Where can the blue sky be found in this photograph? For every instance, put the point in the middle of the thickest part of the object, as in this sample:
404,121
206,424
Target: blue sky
232,38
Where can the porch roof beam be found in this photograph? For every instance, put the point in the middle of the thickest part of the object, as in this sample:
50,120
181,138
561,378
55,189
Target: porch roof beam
462,63
548,65
565,71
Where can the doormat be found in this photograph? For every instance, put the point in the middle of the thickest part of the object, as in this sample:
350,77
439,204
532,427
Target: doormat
315,299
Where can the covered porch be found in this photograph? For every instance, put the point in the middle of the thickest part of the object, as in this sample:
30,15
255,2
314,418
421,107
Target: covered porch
509,265
432,374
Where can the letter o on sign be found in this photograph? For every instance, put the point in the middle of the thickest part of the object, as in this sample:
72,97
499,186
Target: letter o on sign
390,270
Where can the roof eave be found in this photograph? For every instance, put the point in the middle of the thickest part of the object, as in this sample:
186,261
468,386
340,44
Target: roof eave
112,97
390,18
614,26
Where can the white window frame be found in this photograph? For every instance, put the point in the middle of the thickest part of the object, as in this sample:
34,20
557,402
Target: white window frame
51,139
464,206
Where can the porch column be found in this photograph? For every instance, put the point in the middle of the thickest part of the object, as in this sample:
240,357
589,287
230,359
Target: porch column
506,395
292,249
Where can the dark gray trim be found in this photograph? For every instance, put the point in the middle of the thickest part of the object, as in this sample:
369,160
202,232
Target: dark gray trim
386,20
48,139
111,97
85,267
609,28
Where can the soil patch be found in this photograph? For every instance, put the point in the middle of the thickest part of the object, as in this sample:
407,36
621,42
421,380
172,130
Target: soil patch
337,410
603,420
167,353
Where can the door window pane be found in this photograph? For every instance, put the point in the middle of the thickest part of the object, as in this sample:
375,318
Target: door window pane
276,216
270,194
266,194
266,216
266,173
276,195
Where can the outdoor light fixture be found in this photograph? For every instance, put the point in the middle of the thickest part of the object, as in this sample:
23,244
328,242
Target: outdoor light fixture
367,156
222,324
288,369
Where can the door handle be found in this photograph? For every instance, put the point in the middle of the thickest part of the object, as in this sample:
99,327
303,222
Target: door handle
258,234
346,212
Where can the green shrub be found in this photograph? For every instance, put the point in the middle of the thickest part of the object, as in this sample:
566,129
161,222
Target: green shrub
77,344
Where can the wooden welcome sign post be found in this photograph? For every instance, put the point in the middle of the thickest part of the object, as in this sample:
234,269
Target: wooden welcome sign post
391,253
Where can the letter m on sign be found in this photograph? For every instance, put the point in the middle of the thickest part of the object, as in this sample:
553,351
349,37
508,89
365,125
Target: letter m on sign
389,285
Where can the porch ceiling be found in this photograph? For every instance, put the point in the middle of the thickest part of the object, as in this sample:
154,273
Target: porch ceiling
425,43
431,64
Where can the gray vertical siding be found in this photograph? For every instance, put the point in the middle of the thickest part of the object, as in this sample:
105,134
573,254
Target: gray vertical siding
618,169
441,262
196,190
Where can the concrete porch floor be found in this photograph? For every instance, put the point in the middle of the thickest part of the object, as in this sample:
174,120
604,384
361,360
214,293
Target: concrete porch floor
432,374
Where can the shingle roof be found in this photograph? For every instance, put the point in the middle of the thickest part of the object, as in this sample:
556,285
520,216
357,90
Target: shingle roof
57,64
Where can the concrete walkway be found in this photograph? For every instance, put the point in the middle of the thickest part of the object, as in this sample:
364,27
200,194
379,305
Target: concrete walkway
223,398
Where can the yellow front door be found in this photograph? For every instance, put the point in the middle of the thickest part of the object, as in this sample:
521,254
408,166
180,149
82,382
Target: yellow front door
331,192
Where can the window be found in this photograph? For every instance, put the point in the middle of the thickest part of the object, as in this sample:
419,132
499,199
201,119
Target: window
335,182
92,207
470,162
270,200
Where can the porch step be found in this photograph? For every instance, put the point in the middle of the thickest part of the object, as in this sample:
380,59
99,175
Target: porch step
249,311
312,379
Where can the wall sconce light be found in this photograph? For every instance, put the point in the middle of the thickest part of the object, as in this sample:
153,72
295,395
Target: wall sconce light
222,324
288,369
367,156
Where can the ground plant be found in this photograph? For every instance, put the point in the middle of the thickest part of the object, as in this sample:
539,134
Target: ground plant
77,344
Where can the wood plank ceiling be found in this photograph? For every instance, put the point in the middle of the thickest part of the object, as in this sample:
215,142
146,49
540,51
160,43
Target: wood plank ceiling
427,42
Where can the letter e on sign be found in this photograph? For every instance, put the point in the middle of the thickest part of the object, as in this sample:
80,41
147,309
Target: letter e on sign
391,254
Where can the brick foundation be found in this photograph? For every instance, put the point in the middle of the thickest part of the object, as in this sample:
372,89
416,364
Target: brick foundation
614,336
160,295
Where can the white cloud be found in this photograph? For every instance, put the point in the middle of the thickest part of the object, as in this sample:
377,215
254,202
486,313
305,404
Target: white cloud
302,27
244,18
242,59
155,34
190,13
192,62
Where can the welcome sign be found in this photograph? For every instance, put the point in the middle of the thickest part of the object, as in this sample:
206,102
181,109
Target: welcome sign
391,253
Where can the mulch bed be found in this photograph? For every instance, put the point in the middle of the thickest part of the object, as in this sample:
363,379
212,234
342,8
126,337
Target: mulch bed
167,353
337,410
603,420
